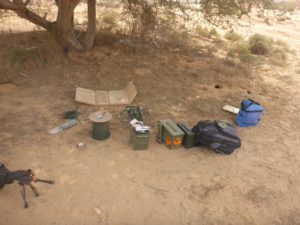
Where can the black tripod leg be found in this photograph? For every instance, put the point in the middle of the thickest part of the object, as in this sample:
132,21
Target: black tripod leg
23,194
34,190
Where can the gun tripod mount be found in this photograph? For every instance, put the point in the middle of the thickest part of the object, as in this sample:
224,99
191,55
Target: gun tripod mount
27,179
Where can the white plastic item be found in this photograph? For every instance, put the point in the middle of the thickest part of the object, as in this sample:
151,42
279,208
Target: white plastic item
231,109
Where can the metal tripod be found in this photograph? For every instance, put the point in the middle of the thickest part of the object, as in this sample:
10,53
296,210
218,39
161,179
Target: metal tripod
33,188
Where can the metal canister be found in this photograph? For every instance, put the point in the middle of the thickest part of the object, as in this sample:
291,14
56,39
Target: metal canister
100,125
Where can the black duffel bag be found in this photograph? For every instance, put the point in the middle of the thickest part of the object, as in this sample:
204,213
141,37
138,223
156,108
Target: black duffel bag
218,135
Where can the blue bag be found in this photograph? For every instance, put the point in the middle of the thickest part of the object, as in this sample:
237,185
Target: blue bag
249,114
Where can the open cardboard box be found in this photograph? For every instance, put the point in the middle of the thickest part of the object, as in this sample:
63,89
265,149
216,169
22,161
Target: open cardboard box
117,97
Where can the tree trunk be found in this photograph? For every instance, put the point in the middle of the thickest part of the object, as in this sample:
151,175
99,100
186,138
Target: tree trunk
64,26
89,37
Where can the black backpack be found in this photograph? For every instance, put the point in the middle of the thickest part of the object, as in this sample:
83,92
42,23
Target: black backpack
3,175
219,135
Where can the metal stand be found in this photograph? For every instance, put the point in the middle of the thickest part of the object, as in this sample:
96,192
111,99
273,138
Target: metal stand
33,188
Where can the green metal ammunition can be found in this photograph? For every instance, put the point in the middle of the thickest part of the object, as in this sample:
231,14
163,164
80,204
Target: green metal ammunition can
169,134
140,140
189,136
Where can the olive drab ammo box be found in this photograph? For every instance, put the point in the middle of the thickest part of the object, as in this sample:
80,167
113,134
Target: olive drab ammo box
169,134
139,138
189,136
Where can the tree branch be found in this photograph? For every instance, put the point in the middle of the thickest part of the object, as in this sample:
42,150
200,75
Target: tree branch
6,4
20,8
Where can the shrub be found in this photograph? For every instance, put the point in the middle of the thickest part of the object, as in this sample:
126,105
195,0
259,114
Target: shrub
240,48
283,45
106,38
259,49
214,33
233,36
108,21
278,57
260,45
202,31
206,32
252,59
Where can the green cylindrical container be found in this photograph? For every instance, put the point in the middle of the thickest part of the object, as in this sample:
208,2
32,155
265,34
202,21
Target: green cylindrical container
100,126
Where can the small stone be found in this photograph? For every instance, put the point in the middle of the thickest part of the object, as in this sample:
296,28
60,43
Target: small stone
97,211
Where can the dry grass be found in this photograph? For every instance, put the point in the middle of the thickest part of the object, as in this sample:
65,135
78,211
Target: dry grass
108,21
233,36
287,6
20,56
204,31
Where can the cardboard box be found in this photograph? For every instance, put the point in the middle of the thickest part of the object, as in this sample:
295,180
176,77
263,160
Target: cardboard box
117,97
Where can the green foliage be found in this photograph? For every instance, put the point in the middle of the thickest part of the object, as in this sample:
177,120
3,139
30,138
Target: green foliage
233,36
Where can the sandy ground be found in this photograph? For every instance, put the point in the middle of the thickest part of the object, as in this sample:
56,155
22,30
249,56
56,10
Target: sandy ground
257,184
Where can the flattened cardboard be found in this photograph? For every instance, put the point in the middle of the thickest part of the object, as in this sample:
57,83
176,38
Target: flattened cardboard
117,97
101,98
130,91
85,96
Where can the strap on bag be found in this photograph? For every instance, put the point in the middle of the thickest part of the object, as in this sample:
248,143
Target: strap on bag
252,102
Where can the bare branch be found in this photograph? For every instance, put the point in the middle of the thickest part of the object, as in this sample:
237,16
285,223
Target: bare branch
6,4
27,2
19,7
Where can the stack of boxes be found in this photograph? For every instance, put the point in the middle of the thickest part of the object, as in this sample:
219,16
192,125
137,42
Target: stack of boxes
174,135
139,138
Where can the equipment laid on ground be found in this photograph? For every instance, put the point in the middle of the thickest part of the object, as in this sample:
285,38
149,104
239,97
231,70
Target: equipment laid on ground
139,139
219,135
139,132
24,177
249,114
169,134
116,97
231,109
100,127
189,136
70,123
72,114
